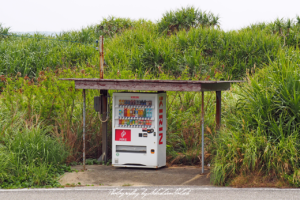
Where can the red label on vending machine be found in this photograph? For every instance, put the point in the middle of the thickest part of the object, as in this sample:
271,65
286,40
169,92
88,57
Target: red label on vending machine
123,135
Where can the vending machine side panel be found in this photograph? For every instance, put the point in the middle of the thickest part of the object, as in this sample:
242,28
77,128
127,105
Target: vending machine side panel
161,129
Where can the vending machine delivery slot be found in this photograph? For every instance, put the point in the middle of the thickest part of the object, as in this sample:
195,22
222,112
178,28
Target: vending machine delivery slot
137,117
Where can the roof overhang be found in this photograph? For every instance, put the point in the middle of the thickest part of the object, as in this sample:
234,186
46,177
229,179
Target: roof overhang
149,85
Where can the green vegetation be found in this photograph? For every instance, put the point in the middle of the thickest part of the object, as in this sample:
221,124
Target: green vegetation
260,118
29,156
3,31
262,134
186,18
139,46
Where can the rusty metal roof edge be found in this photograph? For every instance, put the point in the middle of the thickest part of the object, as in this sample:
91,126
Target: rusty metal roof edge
147,80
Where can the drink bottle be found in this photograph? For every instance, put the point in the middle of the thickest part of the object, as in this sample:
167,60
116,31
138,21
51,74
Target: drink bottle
128,112
120,113
145,112
136,112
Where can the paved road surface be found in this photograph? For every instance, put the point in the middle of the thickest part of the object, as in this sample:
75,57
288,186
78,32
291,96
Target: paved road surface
148,192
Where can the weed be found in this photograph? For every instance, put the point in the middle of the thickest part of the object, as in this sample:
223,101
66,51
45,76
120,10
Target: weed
126,184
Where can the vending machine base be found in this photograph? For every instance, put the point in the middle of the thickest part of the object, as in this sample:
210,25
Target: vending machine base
139,130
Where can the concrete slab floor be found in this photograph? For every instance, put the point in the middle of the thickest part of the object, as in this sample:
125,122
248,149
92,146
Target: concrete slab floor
113,176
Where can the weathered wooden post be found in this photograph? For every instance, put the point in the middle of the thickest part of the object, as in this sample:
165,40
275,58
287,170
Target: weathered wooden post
103,97
83,129
202,116
218,110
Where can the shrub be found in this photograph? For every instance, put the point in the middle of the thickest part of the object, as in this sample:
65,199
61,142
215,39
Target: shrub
112,25
3,31
186,18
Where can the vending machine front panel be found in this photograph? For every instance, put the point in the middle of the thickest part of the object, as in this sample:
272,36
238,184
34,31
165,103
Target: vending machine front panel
139,130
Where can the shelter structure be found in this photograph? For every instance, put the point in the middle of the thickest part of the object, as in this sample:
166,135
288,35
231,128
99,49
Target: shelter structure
148,85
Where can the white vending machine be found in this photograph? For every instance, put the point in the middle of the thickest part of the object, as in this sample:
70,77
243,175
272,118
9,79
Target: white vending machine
139,130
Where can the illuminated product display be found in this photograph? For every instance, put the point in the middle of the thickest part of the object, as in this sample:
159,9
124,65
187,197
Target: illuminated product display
139,130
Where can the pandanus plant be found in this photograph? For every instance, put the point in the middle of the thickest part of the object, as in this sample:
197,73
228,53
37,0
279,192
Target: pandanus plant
3,31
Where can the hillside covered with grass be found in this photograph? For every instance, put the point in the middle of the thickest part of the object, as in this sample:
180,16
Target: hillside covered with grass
259,136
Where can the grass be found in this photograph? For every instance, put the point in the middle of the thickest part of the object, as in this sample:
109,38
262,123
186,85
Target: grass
186,18
262,136
29,156
140,47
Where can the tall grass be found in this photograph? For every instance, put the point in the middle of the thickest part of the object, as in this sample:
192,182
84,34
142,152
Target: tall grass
3,31
186,18
286,29
262,136
29,155
139,46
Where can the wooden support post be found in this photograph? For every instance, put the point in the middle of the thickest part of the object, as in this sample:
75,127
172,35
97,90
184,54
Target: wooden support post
103,96
218,110
104,111
83,129
202,119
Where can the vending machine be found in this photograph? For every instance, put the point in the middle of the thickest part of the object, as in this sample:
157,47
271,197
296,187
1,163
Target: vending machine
139,130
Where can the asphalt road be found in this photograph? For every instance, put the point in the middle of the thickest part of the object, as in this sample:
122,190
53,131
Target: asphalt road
161,192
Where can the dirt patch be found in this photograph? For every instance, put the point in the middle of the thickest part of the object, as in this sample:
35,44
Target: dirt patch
111,176
257,180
